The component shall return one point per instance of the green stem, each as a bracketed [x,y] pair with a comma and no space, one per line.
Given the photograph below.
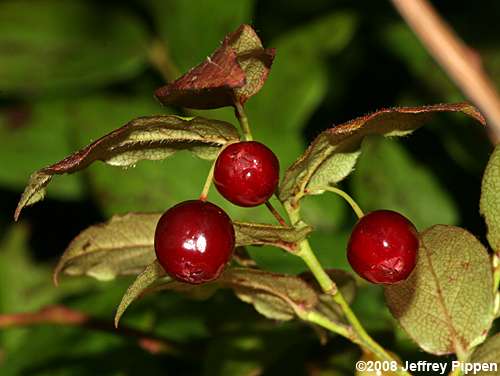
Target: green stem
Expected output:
[324,280]
[329,287]
[243,120]
[321,320]
[208,183]
[349,200]
[370,344]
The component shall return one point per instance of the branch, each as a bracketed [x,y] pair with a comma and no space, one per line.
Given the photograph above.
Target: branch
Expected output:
[60,315]
[461,63]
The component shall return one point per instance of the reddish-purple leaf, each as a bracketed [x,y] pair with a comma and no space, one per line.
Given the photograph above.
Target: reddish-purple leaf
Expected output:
[208,85]
[234,72]
[145,138]
[333,154]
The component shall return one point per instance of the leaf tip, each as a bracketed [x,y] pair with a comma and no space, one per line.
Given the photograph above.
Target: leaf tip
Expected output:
[117,319]
[17,212]
[55,274]
[474,113]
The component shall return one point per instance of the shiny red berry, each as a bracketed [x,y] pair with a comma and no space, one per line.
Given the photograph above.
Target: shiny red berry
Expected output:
[194,240]
[246,173]
[383,247]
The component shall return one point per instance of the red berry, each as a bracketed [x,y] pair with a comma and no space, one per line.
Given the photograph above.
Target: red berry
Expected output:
[194,240]
[383,247]
[246,173]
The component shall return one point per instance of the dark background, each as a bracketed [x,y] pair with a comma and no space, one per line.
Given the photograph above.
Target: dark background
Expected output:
[71,71]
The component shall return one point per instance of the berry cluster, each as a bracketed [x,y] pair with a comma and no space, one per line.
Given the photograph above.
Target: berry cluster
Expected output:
[194,240]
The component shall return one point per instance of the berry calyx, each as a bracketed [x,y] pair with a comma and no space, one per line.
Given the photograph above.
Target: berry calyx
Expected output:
[194,240]
[383,247]
[246,173]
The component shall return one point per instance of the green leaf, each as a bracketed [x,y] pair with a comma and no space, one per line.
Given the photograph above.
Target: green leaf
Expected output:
[125,245]
[263,234]
[121,246]
[67,45]
[487,353]
[151,186]
[333,154]
[273,295]
[145,138]
[149,275]
[276,296]
[266,304]
[253,59]
[490,199]
[235,71]
[446,305]
[399,183]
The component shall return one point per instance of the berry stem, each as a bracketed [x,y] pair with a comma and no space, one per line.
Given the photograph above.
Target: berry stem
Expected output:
[349,200]
[360,336]
[276,214]
[243,120]
[208,183]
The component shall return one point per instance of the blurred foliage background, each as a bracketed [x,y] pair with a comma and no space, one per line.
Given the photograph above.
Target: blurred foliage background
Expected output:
[73,70]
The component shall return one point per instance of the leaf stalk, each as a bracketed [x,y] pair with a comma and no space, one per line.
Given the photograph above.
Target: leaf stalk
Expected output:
[243,120]
[349,199]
